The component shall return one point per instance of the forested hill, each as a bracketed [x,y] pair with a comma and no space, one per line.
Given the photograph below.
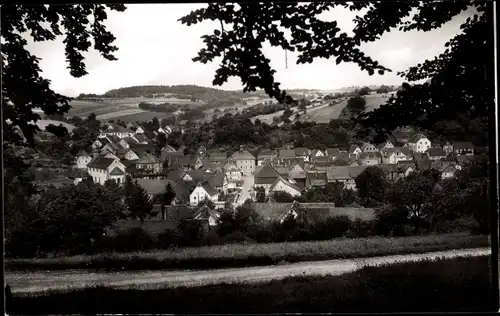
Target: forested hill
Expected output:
[181,91]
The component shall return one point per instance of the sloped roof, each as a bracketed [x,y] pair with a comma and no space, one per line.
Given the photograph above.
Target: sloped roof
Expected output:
[463,145]
[352,148]
[147,159]
[365,146]
[217,156]
[141,137]
[242,155]
[176,175]
[142,148]
[417,137]
[266,171]
[315,159]
[267,153]
[228,167]
[287,183]
[436,152]
[356,171]
[316,178]
[402,150]
[100,162]
[284,153]
[129,140]
[116,172]
[387,168]
[205,213]
[333,152]
[370,155]
[187,160]
[338,173]
[314,152]
[341,160]
[83,153]
[302,151]
[177,213]
[208,188]
[441,165]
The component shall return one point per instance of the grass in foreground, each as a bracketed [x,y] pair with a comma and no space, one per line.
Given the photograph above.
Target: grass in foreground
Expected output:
[240,255]
[460,284]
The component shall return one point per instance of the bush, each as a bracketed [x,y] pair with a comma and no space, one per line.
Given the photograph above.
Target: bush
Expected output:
[168,239]
[237,238]
[132,239]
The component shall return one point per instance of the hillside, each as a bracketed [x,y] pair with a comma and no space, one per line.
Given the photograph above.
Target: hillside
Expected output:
[179,91]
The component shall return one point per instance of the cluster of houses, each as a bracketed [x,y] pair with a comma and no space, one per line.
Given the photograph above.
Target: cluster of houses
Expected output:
[220,176]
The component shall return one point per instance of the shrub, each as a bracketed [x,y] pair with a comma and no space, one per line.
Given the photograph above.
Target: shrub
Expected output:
[130,240]
[237,238]
[168,239]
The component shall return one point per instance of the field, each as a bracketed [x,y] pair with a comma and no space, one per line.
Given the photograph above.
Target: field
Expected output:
[458,284]
[126,109]
[241,255]
[323,114]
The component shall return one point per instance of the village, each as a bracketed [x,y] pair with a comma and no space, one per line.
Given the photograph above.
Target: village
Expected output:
[236,177]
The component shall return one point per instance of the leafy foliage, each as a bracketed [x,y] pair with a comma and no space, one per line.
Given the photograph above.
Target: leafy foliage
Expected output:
[69,219]
[139,204]
[459,80]
[23,88]
[371,185]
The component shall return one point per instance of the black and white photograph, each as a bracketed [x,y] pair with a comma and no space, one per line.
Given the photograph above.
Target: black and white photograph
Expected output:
[250,158]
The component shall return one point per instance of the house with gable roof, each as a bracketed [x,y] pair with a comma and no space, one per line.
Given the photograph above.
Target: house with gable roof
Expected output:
[354,151]
[395,154]
[100,169]
[245,161]
[370,158]
[266,155]
[265,177]
[203,190]
[463,148]
[332,153]
[148,162]
[302,152]
[82,159]
[436,153]
[232,172]
[282,185]
[116,130]
[419,143]
[368,147]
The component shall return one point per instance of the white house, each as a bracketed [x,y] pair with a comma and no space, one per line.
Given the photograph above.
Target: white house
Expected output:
[396,154]
[139,130]
[98,143]
[116,130]
[368,147]
[232,172]
[100,168]
[204,190]
[317,153]
[167,130]
[245,161]
[420,144]
[385,145]
[281,185]
[82,159]
[354,151]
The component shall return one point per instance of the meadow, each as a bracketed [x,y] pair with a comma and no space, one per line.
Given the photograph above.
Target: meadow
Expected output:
[244,255]
[442,285]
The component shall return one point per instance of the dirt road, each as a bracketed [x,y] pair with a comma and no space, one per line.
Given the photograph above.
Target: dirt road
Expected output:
[36,282]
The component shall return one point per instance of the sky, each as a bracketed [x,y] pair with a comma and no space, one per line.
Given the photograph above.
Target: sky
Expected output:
[156,49]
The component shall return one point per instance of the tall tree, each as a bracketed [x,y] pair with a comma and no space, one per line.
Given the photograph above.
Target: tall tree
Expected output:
[460,80]
[371,185]
[23,88]
[139,204]
[167,198]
